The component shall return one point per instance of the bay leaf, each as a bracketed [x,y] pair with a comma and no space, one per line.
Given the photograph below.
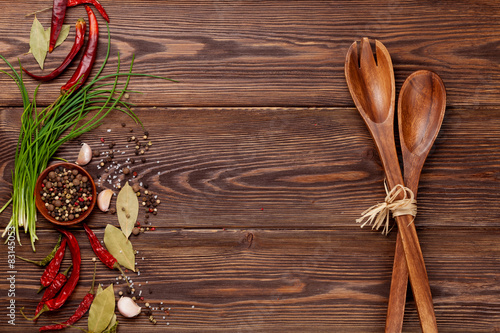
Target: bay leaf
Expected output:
[38,43]
[62,35]
[113,324]
[102,310]
[99,289]
[127,209]
[119,246]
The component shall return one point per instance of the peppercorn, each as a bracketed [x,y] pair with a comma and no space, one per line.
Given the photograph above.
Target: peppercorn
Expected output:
[126,171]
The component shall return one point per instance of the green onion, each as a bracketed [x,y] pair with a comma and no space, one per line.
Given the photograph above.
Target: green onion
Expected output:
[43,132]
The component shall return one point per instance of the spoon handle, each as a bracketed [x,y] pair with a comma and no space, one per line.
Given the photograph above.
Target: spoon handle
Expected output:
[397,295]
[384,140]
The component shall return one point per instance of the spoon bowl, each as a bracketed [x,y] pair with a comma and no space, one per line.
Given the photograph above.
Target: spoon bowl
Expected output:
[422,102]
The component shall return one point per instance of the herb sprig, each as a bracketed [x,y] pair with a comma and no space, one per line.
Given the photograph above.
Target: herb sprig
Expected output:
[43,132]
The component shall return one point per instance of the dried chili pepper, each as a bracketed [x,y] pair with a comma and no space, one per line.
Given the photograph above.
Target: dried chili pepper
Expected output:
[85,66]
[80,311]
[58,14]
[53,289]
[58,301]
[53,268]
[97,5]
[66,291]
[77,45]
[107,258]
[103,254]
[45,261]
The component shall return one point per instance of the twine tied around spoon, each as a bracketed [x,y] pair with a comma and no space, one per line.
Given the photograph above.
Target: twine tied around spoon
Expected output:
[378,215]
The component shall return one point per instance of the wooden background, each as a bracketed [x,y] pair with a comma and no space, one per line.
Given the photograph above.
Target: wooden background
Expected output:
[263,164]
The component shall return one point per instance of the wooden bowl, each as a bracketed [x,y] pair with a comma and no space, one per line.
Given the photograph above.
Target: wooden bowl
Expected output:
[40,204]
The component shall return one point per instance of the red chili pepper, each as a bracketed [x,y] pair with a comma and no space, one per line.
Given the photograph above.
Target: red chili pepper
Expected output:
[80,311]
[103,254]
[51,271]
[54,287]
[85,66]
[58,14]
[79,39]
[57,302]
[97,5]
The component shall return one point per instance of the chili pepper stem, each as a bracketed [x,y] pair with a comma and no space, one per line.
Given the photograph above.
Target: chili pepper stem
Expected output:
[117,265]
[38,11]
[45,308]
[93,279]
[45,261]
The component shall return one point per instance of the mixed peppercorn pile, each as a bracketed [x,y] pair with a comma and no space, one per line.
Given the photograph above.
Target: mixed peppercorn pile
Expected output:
[66,194]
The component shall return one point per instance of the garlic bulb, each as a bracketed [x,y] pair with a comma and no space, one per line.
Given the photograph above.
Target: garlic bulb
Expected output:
[104,199]
[85,155]
[127,307]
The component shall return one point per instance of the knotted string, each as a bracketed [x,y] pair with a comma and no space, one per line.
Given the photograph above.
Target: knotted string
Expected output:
[378,215]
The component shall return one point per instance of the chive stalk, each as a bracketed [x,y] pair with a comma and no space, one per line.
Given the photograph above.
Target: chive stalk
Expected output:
[43,132]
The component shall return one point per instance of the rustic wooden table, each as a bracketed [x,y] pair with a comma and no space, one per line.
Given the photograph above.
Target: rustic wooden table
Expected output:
[263,164]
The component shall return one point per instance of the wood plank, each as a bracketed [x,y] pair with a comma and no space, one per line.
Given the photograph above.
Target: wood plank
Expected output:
[285,167]
[269,280]
[275,53]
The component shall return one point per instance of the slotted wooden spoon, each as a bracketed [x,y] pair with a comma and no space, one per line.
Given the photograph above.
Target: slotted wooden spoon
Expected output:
[371,84]
[421,107]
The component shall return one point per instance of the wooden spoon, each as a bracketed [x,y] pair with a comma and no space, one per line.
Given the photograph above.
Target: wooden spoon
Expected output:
[421,107]
[371,84]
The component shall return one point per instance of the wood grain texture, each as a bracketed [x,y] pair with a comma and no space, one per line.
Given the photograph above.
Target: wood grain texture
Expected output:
[263,164]
[265,167]
[225,280]
[235,53]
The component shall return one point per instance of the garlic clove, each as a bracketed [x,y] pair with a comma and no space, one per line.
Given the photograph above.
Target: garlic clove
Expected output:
[85,155]
[127,307]
[104,199]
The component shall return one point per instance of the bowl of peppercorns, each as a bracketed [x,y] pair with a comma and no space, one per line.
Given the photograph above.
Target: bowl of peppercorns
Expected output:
[65,193]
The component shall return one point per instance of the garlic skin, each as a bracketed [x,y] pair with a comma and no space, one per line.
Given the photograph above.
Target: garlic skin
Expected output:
[104,199]
[85,155]
[127,307]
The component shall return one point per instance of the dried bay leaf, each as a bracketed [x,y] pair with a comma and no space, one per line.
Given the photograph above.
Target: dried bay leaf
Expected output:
[113,324]
[99,289]
[38,42]
[127,209]
[119,246]
[62,35]
[102,310]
